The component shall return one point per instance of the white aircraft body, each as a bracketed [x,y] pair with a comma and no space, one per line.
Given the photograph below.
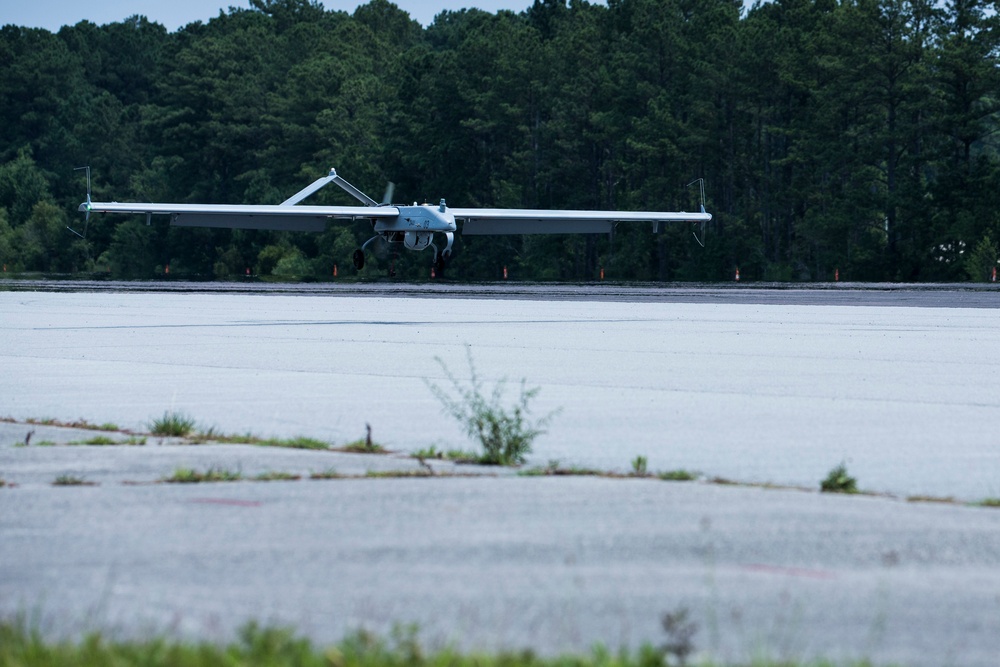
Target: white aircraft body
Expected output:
[413,226]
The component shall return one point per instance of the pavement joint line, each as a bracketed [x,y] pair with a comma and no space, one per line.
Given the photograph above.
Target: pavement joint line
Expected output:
[512,471]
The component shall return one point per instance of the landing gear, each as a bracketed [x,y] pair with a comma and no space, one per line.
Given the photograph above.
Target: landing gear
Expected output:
[359,259]
[440,263]
[442,257]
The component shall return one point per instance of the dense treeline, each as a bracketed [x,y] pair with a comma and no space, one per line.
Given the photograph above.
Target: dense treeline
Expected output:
[850,136]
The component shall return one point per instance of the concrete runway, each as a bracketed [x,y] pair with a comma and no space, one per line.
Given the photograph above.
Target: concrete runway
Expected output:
[552,563]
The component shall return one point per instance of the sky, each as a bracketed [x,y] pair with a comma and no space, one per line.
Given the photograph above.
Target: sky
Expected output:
[53,14]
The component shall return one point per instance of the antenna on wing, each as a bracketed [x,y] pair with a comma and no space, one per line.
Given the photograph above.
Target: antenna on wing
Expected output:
[86,219]
[701,188]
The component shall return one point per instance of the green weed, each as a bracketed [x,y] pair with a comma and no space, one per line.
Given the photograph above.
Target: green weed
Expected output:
[431,452]
[79,423]
[455,455]
[361,447]
[639,466]
[238,439]
[277,477]
[838,481]
[423,472]
[931,499]
[211,435]
[261,645]
[96,440]
[989,502]
[364,445]
[104,440]
[677,476]
[172,424]
[505,433]
[191,476]
[329,473]
[299,442]
[554,469]
[462,456]
[71,480]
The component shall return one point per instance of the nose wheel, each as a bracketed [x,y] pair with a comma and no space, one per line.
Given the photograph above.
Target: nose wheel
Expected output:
[359,259]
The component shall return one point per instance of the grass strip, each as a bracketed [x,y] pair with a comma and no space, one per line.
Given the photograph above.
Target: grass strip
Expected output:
[192,476]
[105,440]
[277,476]
[280,647]
[71,480]
[82,424]
[299,442]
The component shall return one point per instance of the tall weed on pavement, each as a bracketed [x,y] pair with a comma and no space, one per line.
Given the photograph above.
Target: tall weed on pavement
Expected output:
[505,432]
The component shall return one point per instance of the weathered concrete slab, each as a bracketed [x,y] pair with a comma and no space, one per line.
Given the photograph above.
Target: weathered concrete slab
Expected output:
[908,396]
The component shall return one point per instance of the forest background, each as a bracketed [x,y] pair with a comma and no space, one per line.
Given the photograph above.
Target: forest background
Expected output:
[854,139]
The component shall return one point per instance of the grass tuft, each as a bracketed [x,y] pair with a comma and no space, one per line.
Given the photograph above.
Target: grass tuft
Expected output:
[639,466]
[71,480]
[362,446]
[277,477]
[931,499]
[677,476]
[454,455]
[838,481]
[97,440]
[79,423]
[191,476]
[238,439]
[989,502]
[431,452]
[329,473]
[382,474]
[299,442]
[210,435]
[105,440]
[172,424]
[554,469]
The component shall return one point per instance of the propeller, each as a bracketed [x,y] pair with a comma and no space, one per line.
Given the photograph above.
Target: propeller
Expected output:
[86,218]
[390,188]
[701,187]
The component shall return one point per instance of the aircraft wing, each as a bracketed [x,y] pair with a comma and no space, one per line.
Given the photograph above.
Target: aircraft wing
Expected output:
[491,221]
[285,217]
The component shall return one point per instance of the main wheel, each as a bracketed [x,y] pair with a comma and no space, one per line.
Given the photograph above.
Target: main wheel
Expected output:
[359,259]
